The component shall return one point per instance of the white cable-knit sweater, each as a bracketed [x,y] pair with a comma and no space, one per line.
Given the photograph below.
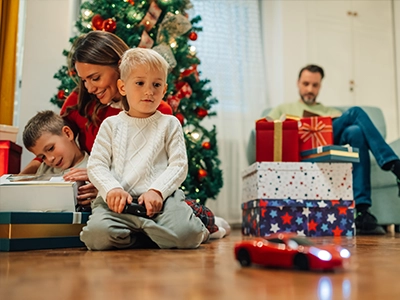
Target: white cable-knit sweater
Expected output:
[138,154]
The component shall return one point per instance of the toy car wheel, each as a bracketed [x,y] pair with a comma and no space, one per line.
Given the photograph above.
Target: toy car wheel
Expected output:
[301,262]
[244,258]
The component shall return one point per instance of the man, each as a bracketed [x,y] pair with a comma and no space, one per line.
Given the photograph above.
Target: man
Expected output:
[353,127]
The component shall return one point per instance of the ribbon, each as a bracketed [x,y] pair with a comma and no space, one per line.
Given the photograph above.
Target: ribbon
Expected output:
[277,140]
[19,231]
[183,91]
[314,131]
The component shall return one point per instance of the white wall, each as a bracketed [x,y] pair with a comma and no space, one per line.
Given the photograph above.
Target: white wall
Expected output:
[396,18]
[47,31]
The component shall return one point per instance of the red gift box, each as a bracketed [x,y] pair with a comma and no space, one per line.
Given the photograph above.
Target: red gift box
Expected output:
[10,157]
[315,132]
[277,140]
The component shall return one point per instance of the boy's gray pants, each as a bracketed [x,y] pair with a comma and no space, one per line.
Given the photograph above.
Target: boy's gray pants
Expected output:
[176,227]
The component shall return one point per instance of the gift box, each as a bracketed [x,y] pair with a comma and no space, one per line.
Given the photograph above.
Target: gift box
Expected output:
[263,217]
[41,230]
[37,193]
[302,180]
[8,133]
[277,140]
[315,132]
[331,154]
[10,157]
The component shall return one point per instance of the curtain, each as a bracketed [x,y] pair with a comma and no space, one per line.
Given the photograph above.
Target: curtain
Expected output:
[8,47]
[231,55]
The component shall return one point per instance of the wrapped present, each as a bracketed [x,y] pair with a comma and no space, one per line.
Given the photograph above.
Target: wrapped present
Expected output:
[277,140]
[315,132]
[302,180]
[263,217]
[37,193]
[331,153]
[10,157]
[41,230]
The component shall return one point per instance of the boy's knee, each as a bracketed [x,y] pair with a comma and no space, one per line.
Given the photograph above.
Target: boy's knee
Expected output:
[102,236]
[192,236]
[96,237]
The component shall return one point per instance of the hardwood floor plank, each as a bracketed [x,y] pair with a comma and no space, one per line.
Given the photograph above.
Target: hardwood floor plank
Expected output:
[210,272]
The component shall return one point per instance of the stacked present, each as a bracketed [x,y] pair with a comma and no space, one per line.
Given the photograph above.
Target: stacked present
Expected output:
[10,152]
[313,197]
[38,212]
[40,230]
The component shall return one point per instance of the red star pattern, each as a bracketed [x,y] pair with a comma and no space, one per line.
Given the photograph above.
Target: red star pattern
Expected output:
[335,202]
[337,231]
[263,212]
[342,210]
[312,225]
[286,218]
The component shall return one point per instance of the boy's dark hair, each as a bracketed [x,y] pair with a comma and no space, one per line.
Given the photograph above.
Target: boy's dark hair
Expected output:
[313,69]
[43,121]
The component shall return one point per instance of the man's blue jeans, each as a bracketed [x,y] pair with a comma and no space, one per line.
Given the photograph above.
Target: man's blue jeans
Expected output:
[355,128]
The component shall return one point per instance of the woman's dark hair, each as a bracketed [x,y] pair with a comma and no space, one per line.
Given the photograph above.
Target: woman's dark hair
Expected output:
[98,48]
[313,69]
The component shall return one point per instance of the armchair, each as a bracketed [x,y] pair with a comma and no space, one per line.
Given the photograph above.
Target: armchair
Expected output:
[384,190]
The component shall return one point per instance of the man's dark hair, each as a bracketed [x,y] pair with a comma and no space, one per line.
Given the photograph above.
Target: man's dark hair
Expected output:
[313,69]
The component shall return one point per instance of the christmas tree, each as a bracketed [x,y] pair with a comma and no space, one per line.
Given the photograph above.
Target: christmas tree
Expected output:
[164,26]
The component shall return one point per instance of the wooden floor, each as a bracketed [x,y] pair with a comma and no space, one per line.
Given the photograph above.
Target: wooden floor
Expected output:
[209,272]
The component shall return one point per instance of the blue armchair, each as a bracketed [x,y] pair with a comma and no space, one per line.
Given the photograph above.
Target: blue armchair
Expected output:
[385,202]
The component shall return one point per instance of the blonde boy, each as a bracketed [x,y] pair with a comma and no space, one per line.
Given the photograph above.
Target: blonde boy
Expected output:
[141,153]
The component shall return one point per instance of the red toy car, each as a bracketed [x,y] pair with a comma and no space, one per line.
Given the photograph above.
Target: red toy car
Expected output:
[288,250]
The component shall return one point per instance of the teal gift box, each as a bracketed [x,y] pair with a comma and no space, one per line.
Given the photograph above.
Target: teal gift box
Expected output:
[41,230]
[331,153]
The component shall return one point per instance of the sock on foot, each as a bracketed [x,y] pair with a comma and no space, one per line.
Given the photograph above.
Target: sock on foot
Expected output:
[220,222]
[219,234]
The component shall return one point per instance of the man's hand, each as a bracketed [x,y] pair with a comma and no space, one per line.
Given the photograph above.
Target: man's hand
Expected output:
[86,192]
[117,199]
[153,202]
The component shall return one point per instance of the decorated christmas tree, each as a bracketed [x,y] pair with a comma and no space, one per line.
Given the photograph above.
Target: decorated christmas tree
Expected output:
[164,26]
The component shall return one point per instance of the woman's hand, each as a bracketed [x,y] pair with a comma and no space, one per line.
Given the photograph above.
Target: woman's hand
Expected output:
[86,194]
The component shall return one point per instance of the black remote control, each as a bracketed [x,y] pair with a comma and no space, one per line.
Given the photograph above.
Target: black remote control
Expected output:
[136,209]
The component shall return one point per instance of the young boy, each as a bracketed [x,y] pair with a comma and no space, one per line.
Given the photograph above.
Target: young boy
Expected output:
[48,137]
[141,153]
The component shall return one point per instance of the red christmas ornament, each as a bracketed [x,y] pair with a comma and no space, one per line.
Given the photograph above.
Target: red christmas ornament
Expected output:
[97,22]
[201,112]
[61,94]
[71,73]
[109,25]
[202,174]
[181,118]
[206,145]
[193,36]
[131,2]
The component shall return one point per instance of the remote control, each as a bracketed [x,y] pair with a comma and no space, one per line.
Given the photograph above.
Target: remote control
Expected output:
[136,209]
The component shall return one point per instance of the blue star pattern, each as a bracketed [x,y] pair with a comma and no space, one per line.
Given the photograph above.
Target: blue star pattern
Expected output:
[263,217]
